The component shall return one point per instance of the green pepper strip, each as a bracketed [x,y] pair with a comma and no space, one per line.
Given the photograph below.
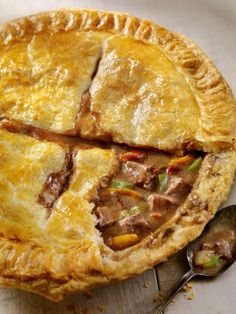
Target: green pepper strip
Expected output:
[213,262]
[121,184]
[140,207]
[163,180]
[134,210]
[196,164]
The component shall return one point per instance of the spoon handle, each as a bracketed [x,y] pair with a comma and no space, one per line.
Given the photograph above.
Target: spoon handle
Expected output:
[190,274]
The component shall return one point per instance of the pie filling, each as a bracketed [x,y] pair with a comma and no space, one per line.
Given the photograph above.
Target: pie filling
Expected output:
[142,194]
[56,184]
[144,191]
[216,248]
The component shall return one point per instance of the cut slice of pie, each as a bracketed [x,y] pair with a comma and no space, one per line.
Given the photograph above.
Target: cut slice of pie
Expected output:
[117,146]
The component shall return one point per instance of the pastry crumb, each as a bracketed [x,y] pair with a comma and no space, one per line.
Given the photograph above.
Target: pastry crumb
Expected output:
[188,287]
[101,308]
[146,284]
[189,296]
[188,292]
[159,297]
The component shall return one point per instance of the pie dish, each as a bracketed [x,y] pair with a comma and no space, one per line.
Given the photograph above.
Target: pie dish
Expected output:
[117,143]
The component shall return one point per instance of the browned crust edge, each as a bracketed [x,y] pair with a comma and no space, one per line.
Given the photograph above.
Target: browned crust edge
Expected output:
[37,269]
[212,93]
[19,264]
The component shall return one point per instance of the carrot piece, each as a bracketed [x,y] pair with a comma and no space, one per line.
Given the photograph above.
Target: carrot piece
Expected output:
[125,240]
[155,215]
[132,155]
[182,161]
[126,192]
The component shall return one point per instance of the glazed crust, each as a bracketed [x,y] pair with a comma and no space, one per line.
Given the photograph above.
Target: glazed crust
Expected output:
[207,97]
[64,252]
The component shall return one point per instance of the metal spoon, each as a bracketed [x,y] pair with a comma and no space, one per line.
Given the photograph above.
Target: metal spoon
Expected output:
[226,217]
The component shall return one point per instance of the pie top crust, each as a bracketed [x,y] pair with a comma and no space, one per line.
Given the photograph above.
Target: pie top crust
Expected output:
[100,76]
[74,51]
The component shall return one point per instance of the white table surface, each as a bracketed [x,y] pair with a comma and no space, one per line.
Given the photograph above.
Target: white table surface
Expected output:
[212,25]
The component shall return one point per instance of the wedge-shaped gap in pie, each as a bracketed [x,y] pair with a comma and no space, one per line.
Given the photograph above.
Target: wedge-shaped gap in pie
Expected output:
[143,193]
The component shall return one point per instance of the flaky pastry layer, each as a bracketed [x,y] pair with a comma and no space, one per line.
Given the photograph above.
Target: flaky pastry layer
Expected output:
[147,86]
[57,251]
[101,76]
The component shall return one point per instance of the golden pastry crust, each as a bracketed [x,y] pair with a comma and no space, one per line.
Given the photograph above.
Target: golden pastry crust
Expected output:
[40,247]
[200,90]
[65,252]
[60,252]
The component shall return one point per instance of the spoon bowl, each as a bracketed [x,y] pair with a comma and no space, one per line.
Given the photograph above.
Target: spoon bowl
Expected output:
[224,220]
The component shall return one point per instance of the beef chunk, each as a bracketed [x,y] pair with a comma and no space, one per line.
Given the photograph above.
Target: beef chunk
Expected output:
[135,223]
[220,242]
[110,200]
[137,173]
[107,215]
[221,248]
[178,189]
[127,201]
[108,209]
[160,202]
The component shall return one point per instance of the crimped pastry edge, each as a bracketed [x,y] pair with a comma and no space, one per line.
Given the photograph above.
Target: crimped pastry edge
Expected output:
[212,93]
[209,191]
[118,266]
